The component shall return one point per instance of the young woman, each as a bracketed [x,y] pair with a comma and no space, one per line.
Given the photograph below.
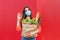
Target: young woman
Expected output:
[27,14]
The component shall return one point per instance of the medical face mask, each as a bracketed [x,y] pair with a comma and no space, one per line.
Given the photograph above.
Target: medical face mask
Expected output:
[28,13]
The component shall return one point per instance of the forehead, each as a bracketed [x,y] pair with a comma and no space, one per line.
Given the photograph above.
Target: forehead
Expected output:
[26,8]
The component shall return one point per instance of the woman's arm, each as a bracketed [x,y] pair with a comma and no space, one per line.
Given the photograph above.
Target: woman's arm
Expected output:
[18,26]
[37,31]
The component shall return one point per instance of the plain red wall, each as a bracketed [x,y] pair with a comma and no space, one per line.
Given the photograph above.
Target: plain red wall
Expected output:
[50,18]
[8,13]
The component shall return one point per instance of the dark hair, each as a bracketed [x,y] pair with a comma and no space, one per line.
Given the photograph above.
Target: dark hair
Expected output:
[24,16]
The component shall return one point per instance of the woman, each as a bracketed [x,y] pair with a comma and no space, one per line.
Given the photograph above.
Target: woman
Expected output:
[27,14]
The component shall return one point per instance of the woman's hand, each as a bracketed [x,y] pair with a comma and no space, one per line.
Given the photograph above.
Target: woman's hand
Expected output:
[18,28]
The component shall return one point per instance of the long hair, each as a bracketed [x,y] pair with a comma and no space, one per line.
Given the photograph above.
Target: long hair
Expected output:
[24,16]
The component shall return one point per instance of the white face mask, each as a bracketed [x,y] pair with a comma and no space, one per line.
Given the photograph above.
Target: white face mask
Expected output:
[28,13]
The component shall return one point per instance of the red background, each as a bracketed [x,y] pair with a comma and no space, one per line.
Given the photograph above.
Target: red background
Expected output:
[50,18]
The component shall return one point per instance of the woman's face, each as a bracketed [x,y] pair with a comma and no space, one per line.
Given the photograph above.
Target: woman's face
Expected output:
[27,12]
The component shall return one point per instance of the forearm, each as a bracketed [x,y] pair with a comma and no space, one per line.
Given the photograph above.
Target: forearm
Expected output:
[35,32]
[18,22]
